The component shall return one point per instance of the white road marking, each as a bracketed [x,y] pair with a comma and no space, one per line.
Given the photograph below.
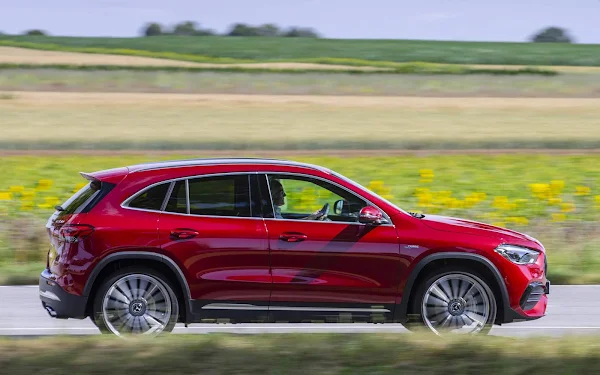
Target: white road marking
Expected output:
[19,286]
[49,329]
[534,327]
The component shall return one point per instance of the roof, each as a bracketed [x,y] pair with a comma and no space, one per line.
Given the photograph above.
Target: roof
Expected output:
[219,161]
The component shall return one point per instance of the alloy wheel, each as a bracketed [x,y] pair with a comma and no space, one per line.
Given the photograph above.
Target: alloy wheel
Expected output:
[136,304]
[456,303]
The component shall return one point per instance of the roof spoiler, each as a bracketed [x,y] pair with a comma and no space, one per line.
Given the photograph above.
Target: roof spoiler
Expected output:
[111,176]
[89,177]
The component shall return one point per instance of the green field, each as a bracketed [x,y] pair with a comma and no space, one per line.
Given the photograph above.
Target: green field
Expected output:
[290,354]
[554,198]
[298,49]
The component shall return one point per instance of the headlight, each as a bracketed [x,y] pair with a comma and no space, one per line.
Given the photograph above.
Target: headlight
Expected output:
[517,254]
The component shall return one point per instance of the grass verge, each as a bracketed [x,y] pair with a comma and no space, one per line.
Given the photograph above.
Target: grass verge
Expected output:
[339,52]
[308,83]
[20,273]
[300,354]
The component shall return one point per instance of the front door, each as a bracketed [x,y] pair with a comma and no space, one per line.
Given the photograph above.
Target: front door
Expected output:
[327,267]
[219,239]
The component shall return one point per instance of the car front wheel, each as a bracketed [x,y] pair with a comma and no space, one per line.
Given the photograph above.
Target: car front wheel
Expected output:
[136,300]
[454,300]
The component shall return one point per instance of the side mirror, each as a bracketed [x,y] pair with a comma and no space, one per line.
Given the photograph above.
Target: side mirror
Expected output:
[338,207]
[370,215]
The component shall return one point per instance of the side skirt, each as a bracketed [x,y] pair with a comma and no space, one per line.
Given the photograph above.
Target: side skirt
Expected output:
[205,311]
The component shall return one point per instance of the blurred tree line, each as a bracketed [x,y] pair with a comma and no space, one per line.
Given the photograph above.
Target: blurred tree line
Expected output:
[551,34]
[239,29]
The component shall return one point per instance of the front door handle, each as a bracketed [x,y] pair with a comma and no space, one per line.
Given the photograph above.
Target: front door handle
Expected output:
[293,237]
[183,234]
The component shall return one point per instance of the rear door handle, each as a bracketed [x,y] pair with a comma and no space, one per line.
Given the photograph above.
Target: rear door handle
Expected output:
[293,237]
[183,234]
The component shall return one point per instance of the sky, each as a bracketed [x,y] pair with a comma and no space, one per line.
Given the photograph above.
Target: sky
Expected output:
[471,20]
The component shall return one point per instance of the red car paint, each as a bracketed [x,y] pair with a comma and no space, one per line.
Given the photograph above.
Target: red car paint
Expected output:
[273,262]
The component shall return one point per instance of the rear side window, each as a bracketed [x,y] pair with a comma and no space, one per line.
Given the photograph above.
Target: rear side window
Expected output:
[220,196]
[151,199]
[177,201]
[212,196]
[86,198]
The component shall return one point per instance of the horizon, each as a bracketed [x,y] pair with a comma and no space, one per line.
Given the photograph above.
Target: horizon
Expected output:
[50,35]
[463,20]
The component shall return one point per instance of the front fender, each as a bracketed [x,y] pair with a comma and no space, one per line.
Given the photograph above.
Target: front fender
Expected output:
[400,312]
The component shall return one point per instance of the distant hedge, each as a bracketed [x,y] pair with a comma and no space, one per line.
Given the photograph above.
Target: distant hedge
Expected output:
[408,68]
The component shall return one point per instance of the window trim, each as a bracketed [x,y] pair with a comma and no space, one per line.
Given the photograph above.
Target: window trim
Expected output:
[165,202]
[260,174]
[187,196]
[173,181]
[268,193]
[255,196]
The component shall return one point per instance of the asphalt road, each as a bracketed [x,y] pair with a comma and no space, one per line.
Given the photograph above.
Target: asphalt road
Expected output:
[572,310]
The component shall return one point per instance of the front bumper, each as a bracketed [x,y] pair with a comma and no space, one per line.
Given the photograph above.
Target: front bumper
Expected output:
[58,303]
[532,304]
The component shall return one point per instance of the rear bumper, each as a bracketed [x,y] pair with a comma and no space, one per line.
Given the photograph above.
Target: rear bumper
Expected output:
[58,303]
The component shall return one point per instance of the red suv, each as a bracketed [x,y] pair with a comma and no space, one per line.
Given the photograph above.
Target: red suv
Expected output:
[144,247]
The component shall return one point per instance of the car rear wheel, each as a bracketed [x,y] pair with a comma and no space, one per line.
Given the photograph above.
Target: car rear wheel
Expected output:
[453,300]
[136,300]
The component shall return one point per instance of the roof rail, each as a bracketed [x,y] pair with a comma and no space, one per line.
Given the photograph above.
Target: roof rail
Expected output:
[218,161]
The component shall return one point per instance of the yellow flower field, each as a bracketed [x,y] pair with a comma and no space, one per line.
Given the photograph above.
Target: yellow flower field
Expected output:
[506,190]
[554,198]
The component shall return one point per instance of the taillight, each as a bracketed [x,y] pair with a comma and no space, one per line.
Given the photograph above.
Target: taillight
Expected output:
[75,232]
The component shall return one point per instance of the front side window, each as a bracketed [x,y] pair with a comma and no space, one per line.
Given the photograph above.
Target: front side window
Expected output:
[305,198]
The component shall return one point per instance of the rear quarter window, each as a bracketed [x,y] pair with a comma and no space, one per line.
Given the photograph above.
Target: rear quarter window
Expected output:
[151,199]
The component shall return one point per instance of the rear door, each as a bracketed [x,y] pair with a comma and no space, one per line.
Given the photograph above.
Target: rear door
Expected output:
[211,227]
[328,270]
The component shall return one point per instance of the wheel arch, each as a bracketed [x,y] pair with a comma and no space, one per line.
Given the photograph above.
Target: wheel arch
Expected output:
[479,262]
[157,261]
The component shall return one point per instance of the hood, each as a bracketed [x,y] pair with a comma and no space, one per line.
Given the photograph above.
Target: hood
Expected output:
[456,225]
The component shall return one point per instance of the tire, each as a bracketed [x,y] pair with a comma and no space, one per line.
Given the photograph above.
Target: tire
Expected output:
[140,299]
[452,297]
